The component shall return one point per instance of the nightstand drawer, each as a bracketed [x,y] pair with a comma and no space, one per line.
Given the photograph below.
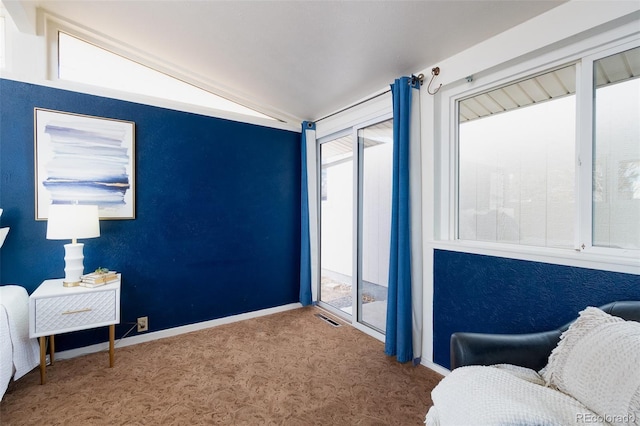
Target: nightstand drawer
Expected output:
[75,311]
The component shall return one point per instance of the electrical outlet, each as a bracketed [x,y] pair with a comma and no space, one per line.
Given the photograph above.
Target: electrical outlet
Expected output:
[143,324]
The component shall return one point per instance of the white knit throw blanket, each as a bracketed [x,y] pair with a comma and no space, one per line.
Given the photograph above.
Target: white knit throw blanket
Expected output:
[598,362]
[502,395]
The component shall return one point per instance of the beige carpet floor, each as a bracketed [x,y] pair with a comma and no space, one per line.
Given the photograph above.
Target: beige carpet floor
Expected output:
[289,368]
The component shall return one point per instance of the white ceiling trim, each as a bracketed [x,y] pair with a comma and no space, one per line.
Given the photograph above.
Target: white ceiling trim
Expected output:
[23,15]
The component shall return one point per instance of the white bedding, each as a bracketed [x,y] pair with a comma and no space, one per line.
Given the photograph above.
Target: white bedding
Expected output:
[6,352]
[18,353]
[502,395]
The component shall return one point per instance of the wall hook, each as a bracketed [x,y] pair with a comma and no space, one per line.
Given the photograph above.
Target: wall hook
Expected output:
[434,72]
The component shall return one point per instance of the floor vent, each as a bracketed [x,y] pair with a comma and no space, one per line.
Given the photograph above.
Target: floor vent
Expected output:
[328,320]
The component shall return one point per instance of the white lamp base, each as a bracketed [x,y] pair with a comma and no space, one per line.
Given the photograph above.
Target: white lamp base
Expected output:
[73,264]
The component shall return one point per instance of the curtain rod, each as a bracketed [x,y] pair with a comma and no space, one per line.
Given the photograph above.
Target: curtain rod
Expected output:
[354,105]
[414,80]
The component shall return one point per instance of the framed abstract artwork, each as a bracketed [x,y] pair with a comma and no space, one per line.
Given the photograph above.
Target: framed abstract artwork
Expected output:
[85,160]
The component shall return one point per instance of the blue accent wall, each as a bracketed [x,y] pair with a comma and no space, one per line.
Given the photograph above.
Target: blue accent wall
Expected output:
[489,294]
[217,228]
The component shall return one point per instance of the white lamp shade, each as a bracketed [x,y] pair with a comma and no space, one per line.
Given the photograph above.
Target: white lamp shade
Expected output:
[3,232]
[72,221]
[3,235]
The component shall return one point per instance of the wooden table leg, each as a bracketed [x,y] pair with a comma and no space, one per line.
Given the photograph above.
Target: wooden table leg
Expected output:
[52,349]
[43,359]
[112,335]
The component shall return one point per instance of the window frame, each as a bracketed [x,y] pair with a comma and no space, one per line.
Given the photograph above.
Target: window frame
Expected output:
[583,54]
[53,25]
[586,149]
[372,113]
[456,158]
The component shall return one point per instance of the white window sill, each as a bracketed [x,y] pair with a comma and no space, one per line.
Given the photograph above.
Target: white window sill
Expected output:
[629,264]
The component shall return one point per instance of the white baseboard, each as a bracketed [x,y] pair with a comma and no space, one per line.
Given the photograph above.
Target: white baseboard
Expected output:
[435,367]
[147,337]
[155,335]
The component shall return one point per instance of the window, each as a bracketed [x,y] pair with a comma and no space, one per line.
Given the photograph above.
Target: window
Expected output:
[87,63]
[616,166]
[538,157]
[516,161]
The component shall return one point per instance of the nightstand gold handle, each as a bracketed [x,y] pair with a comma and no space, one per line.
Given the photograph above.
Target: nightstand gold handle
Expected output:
[76,312]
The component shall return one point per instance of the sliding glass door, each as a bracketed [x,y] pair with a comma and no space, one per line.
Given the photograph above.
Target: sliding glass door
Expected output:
[375,144]
[336,223]
[355,222]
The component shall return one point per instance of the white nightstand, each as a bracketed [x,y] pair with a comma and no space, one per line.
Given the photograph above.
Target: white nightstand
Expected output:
[55,309]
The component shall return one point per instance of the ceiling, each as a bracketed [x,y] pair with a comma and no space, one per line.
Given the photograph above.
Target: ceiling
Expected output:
[296,59]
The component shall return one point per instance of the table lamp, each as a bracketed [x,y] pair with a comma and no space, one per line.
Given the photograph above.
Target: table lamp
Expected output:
[70,222]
